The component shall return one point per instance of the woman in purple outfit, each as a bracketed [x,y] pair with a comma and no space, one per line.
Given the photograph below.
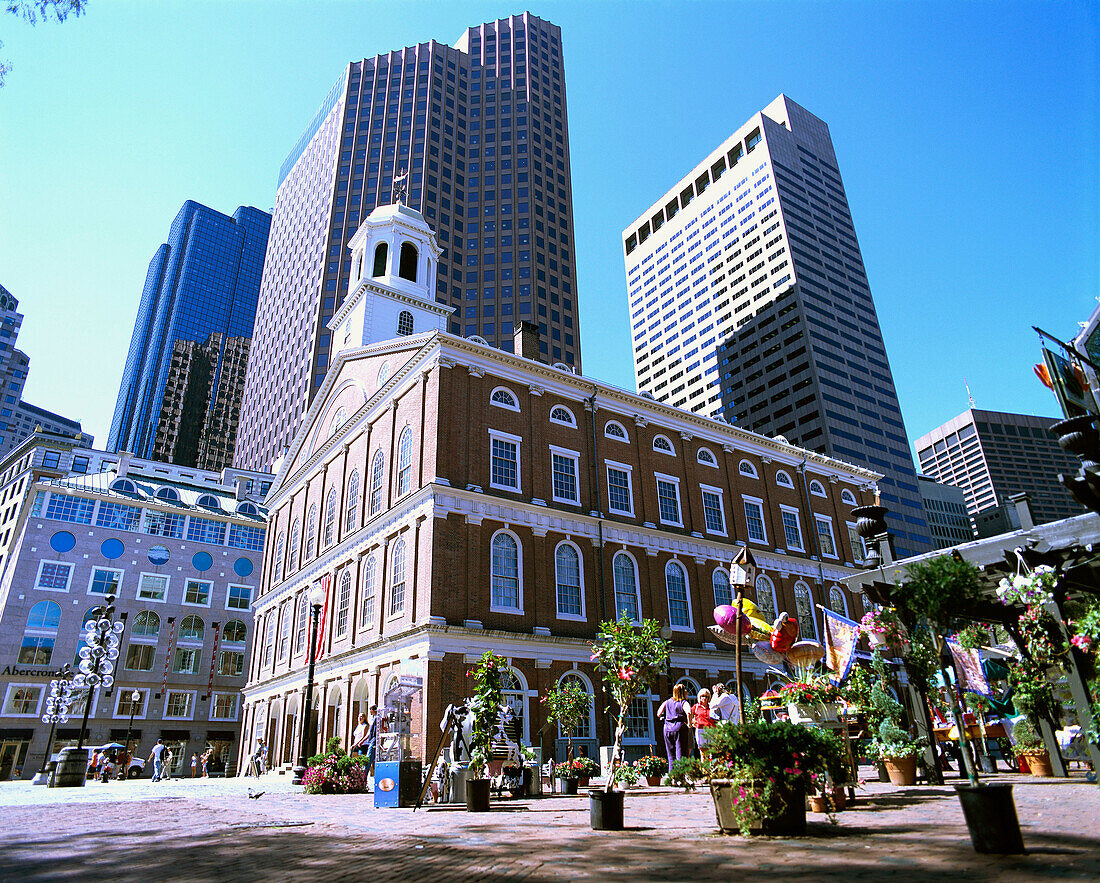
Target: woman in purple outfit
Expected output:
[674,713]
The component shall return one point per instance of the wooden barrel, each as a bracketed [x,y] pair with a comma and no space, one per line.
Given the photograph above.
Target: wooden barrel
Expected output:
[71,770]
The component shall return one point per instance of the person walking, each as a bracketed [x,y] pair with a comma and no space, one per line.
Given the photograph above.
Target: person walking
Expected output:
[701,720]
[724,706]
[156,757]
[207,757]
[674,713]
[168,757]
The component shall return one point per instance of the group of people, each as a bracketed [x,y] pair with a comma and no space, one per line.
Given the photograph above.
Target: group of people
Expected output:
[202,760]
[364,739]
[161,759]
[686,722]
[108,764]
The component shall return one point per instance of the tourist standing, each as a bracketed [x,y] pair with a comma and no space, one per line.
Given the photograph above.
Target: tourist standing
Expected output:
[207,757]
[359,736]
[674,712]
[701,720]
[156,757]
[724,705]
[194,764]
[167,763]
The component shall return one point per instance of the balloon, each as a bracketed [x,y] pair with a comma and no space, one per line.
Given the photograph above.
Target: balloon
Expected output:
[753,625]
[784,633]
[805,653]
[763,651]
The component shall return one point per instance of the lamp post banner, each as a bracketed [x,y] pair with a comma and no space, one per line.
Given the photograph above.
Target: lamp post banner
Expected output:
[213,661]
[319,646]
[840,635]
[168,656]
[968,665]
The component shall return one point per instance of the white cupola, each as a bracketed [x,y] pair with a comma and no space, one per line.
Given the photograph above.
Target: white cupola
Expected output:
[394,261]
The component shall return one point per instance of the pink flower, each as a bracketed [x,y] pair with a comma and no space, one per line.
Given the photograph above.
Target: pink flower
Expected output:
[626,673]
[1081,642]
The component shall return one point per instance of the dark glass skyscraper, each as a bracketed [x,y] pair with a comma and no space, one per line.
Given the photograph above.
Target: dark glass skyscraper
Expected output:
[181,388]
[481,129]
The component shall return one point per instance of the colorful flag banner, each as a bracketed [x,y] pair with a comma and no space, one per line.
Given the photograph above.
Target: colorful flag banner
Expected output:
[968,667]
[168,655]
[213,661]
[319,648]
[840,635]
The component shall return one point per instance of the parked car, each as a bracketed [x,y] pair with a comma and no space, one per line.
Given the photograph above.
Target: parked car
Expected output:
[134,767]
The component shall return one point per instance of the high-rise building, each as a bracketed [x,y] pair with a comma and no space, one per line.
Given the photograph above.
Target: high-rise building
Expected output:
[749,299]
[181,388]
[992,455]
[945,508]
[481,130]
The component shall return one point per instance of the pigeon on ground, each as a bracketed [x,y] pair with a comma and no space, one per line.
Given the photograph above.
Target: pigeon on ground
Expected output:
[255,795]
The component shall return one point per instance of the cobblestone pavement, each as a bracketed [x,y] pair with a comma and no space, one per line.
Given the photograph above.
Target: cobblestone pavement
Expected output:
[210,830]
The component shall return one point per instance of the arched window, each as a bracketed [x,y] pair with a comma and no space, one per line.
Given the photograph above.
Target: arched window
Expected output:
[804,607]
[404,462]
[614,429]
[404,323]
[295,542]
[561,414]
[679,610]
[503,398]
[168,494]
[397,580]
[44,615]
[351,507]
[234,632]
[376,475]
[662,444]
[817,488]
[338,420]
[706,457]
[301,619]
[746,468]
[124,486]
[40,634]
[765,599]
[588,722]
[380,252]
[209,501]
[192,629]
[343,604]
[723,591]
[286,610]
[625,576]
[248,509]
[567,568]
[783,479]
[514,690]
[311,532]
[146,625]
[837,601]
[330,519]
[277,559]
[383,374]
[407,269]
[846,496]
[505,592]
[370,588]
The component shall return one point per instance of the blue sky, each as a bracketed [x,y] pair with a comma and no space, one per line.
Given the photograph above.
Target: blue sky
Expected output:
[967,137]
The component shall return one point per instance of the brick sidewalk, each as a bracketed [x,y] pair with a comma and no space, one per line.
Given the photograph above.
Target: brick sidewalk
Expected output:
[208,831]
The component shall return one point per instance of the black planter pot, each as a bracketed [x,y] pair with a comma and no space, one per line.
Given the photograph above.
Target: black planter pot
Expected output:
[991,818]
[477,795]
[605,809]
[567,786]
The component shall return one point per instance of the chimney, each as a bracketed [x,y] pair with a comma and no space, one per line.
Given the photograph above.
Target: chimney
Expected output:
[527,340]
[239,486]
[123,464]
[1022,503]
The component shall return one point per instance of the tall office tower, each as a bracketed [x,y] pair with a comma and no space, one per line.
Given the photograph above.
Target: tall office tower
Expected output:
[945,508]
[481,130]
[748,299]
[181,389]
[992,455]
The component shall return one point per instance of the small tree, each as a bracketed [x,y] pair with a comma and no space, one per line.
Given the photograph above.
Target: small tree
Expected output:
[489,696]
[630,659]
[567,705]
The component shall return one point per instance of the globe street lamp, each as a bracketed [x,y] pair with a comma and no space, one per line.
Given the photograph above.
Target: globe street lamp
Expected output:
[57,711]
[316,597]
[135,698]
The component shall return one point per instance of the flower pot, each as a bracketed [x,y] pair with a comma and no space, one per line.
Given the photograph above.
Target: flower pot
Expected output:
[876,639]
[787,818]
[840,798]
[653,781]
[567,786]
[819,803]
[883,776]
[1021,762]
[819,712]
[987,763]
[582,781]
[605,809]
[991,818]
[477,795]
[1040,764]
[902,770]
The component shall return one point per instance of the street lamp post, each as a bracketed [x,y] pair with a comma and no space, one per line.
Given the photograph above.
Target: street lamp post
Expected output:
[57,711]
[316,597]
[135,698]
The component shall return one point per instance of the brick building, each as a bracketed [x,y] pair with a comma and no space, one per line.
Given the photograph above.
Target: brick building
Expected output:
[459,498]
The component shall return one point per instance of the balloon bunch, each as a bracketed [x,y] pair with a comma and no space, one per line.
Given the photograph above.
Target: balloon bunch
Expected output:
[771,644]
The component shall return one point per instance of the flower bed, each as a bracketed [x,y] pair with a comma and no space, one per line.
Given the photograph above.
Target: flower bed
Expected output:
[337,774]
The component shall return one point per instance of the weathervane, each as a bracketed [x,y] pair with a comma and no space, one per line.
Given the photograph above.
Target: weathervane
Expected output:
[399,186]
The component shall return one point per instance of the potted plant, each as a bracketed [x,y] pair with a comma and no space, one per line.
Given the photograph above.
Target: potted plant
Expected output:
[1029,746]
[651,768]
[630,658]
[568,774]
[760,774]
[813,700]
[896,749]
[586,768]
[883,629]
[487,700]
[567,705]
[627,776]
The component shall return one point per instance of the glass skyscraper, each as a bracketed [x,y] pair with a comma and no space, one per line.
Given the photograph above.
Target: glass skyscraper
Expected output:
[181,387]
[481,129]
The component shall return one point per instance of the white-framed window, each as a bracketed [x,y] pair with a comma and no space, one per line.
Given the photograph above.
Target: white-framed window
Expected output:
[223,706]
[370,590]
[179,705]
[231,663]
[397,579]
[383,374]
[22,700]
[615,430]
[676,587]
[723,591]
[588,724]
[277,558]
[238,597]
[563,416]
[343,604]
[301,618]
[506,593]
[663,445]
[504,460]
[859,551]
[825,540]
[282,652]
[377,474]
[125,704]
[139,656]
[105,581]
[706,457]
[620,493]
[404,324]
[330,519]
[754,519]
[837,602]
[40,634]
[209,501]
[817,489]
[639,721]
[186,660]
[351,504]
[269,636]
[569,581]
[563,467]
[668,499]
[338,420]
[146,625]
[747,469]
[792,528]
[53,576]
[624,571]
[404,462]
[714,514]
[152,587]
[197,592]
[504,398]
[804,608]
[783,479]
[847,497]
[234,632]
[311,532]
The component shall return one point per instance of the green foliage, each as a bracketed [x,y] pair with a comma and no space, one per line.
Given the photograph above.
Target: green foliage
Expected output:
[781,751]
[487,691]
[891,739]
[753,712]
[940,590]
[567,705]
[336,774]
[1028,741]
[651,765]
[922,662]
[332,746]
[977,703]
[685,772]
[1032,694]
[627,775]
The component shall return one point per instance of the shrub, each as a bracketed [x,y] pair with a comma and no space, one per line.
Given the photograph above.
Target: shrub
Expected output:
[651,765]
[337,774]
[685,772]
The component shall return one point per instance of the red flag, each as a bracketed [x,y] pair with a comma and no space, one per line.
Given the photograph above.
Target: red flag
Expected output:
[1044,375]
[319,648]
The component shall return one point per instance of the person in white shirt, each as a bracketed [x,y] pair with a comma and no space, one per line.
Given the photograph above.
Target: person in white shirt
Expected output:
[724,706]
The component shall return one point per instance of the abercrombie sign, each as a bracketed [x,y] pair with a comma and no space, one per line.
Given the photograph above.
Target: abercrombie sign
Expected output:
[15,671]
